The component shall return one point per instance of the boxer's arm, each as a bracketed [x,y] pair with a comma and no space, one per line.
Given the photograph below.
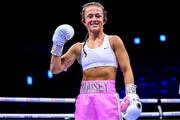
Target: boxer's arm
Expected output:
[62,34]
[123,59]
[62,63]
[130,105]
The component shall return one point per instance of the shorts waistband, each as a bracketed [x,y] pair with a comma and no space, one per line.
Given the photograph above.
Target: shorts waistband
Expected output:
[98,86]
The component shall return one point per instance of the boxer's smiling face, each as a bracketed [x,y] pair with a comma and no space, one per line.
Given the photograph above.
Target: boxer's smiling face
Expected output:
[94,18]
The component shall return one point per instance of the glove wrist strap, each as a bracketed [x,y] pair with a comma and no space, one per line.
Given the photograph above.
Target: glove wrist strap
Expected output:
[131,88]
[57,50]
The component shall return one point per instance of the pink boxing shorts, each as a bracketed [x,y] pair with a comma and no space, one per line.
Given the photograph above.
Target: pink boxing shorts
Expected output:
[98,100]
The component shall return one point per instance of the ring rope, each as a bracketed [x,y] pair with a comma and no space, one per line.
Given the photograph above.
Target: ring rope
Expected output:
[69,115]
[72,100]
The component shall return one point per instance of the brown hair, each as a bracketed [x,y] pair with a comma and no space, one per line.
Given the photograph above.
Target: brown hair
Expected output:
[93,4]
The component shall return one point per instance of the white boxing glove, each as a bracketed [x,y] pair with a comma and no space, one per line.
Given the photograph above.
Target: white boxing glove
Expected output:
[62,34]
[134,109]
[131,106]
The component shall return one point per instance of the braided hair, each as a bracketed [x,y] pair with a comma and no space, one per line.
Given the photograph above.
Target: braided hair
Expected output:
[85,40]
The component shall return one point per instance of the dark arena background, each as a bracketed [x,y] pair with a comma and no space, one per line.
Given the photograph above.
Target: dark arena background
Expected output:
[148,28]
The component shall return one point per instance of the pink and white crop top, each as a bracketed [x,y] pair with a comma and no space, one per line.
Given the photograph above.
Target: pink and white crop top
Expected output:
[101,56]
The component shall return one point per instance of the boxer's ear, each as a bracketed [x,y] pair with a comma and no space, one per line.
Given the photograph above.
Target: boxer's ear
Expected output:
[83,20]
[105,20]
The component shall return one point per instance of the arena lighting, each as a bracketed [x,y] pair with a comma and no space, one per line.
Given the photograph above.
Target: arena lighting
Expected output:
[137,40]
[162,38]
[164,83]
[141,78]
[29,80]
[49,74]
[179,89]
[173,78]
